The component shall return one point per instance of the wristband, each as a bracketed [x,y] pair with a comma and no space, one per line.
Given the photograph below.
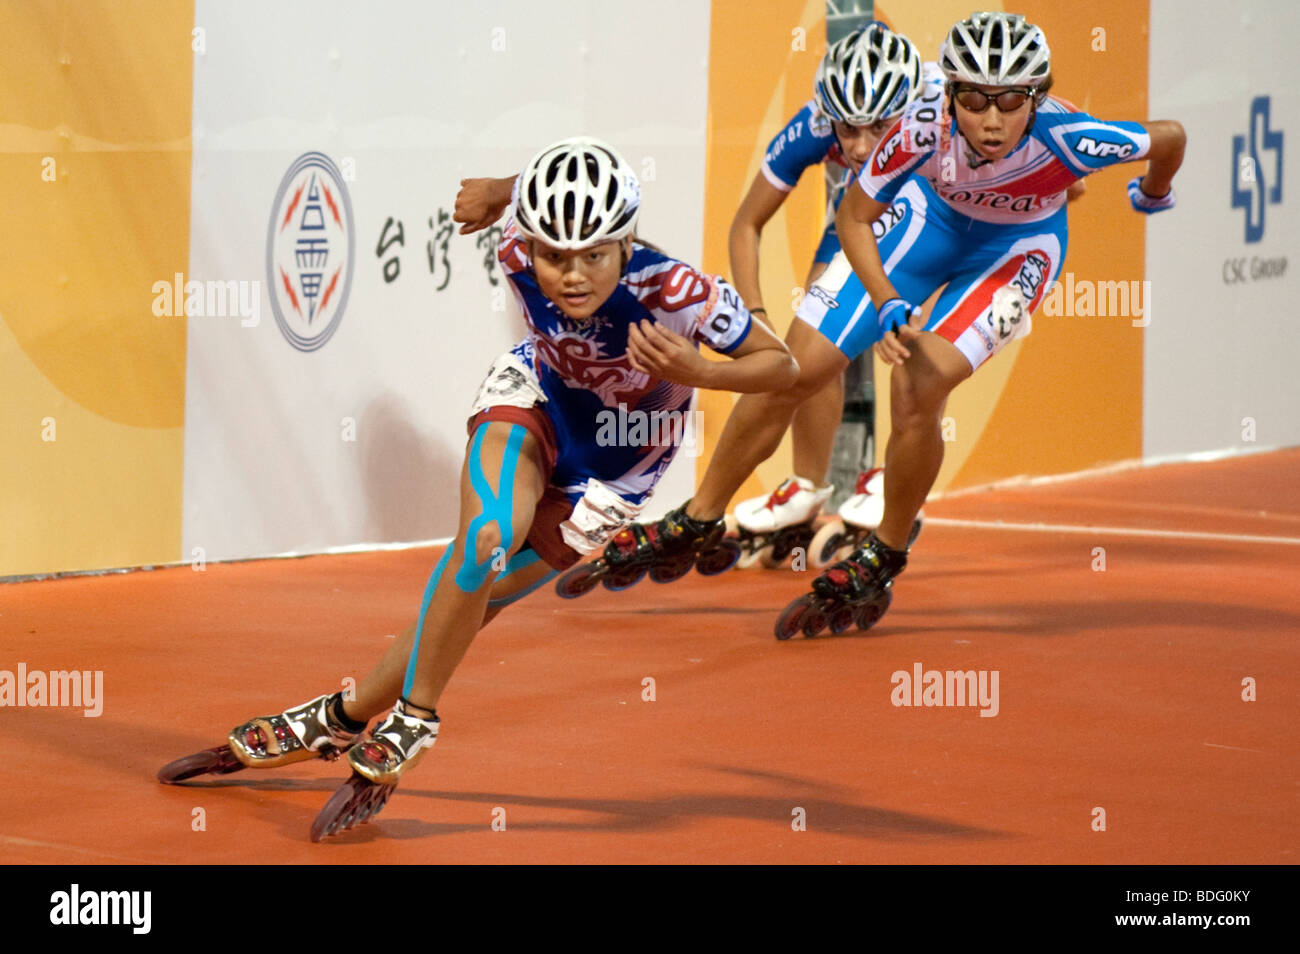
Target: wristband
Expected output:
[1148,204]
[895,312]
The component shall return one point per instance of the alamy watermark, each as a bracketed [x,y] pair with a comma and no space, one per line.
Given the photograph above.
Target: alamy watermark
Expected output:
[75,906]
[208,299]
[948,687]
[637,428]
[77,688]
[1084,298]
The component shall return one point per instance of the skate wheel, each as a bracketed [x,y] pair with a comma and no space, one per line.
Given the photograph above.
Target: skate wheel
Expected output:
[748,558]
[719,560]
[668,572]
[579,581]
[356,802]
[814,621]
[791,619]
[622,579]
[842,620]
[215,761]
[827,544]
[869,613]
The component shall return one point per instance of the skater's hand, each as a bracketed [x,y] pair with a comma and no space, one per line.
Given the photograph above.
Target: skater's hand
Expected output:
[901,323]
[480,202]
[662,353]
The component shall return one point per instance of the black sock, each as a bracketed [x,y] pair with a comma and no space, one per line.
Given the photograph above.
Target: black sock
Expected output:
[340,717]
[419,712]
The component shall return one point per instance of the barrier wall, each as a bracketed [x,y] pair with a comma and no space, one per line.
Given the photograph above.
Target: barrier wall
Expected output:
[1222,348]
[94,184]
[235,320]
[293,444]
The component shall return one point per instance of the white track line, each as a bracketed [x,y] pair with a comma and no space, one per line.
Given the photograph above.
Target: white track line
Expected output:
[1120,531]
[1235,748]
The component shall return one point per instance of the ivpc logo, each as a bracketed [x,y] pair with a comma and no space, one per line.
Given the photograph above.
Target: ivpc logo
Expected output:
[1248,168]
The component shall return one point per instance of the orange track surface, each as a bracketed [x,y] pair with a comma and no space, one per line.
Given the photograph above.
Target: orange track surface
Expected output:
[1119,689]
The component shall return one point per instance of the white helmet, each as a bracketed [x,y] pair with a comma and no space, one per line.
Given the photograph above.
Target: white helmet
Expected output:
[575,193]
[996,49]
[869,75]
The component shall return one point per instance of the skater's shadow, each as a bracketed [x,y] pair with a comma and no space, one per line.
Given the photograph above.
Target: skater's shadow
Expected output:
[819,806]
[824,807]
[401,469]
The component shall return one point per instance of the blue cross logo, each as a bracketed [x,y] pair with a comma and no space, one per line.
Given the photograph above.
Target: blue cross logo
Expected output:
[1249,171]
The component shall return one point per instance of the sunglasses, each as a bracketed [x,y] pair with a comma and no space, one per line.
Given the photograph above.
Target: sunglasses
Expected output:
[978,101]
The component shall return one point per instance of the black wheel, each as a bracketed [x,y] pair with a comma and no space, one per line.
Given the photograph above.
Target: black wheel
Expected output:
[668,572]
[623,578]
[814,621]
[582,579]
[869,613]
[215,761]
[720,559]
[791,619]
[842,619]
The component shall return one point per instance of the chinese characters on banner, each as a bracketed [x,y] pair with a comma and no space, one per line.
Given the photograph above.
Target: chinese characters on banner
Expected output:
[392,241]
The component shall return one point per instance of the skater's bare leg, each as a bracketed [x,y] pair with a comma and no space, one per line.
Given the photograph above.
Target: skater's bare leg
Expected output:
[754,429]
[464,580]
[812,433]
[919,390]
[378,690]
[501,483]
[817,419]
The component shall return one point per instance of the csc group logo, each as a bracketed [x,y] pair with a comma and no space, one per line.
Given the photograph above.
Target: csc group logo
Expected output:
[309,251]
[1257,168]
[1256,184]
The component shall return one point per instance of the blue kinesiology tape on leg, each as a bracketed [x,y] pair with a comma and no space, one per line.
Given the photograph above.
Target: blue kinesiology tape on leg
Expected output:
[424,609]
[498,508]
[521,560]
[470,576]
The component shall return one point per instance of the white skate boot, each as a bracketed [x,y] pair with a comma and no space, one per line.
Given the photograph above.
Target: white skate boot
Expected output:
[768,528]
[858,516]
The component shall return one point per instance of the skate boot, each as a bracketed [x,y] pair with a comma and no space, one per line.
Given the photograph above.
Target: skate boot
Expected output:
[858,516]
[394,746]
[856,590]
[313,730]
[769,528]
[666,550]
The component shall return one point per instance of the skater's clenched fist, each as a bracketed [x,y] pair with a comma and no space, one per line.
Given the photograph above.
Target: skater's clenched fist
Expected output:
[480,202]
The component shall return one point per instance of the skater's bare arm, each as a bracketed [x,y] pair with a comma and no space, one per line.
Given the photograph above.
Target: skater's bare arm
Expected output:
[760,204]
[761,362]
[1168,140]
[853,223]
[480,202]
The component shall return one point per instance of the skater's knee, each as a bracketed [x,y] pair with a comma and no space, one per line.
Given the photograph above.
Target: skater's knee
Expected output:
[810,382]
[486,543]
[495,519]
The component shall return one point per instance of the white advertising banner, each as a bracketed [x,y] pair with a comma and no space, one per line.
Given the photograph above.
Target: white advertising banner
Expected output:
[1222,349]
[339,325]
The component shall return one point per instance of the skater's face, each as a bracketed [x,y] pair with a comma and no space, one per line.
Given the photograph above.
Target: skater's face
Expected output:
[857,142]
[993,123]
[579,281]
